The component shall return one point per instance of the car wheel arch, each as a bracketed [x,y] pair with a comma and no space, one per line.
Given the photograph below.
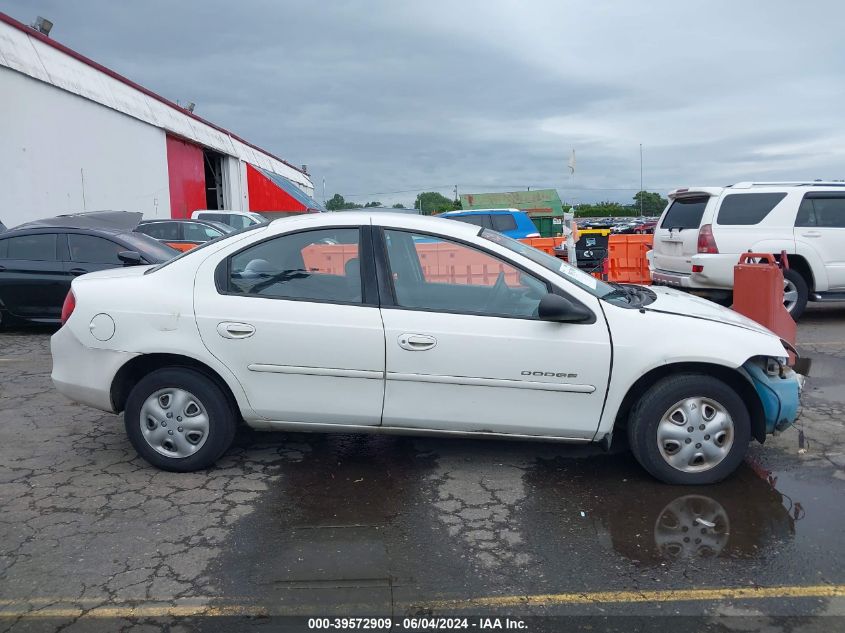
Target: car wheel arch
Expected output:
[730,376]
[138,367]
[799,264]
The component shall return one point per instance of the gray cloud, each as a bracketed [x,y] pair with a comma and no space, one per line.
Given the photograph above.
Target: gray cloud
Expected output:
[380,97]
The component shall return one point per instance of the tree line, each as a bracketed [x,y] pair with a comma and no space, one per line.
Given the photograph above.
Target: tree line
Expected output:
[432,202]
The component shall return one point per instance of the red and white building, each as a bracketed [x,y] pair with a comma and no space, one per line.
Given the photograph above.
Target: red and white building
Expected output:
[76,136]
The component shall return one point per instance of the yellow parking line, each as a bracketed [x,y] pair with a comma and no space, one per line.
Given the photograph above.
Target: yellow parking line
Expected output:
[666,595]
[64,608]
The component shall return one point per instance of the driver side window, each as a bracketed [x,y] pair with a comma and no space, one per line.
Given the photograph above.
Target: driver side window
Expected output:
[431,273]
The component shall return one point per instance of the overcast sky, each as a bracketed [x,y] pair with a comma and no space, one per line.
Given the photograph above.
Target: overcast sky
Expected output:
[383,99]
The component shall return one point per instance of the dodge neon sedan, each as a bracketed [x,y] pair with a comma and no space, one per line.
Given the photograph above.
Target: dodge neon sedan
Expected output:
[394,323]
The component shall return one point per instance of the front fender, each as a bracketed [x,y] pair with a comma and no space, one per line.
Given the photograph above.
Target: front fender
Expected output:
[779,395]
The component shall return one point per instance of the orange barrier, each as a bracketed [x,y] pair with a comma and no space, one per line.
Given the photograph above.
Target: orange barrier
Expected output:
[441,263]
[545,244]
[626,256]
[329,259]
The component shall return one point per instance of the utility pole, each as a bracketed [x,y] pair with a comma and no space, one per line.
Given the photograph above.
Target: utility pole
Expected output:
[456,193]
[641,179]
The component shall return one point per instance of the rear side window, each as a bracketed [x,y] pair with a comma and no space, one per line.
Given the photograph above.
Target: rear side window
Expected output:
[503,222]
[40,247]
[194,232]
[161,230]
[747,208]
[215,217]
[684,213]
[239,221]
[93,250]
[318,265]
[822,210]
[476,220]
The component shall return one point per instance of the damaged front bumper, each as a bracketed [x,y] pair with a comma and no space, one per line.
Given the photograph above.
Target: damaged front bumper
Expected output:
[779,394]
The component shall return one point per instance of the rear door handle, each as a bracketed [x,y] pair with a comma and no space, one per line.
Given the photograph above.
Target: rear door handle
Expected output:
[227,329]
[812,234]
[77,271]
[416,342]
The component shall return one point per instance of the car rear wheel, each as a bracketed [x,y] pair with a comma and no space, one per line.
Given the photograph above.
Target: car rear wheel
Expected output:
[795,293]
[689,429]
[178,419]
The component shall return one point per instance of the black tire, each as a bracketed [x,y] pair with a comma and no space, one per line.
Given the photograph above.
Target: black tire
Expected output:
[656,402]
[222,420]
[800,284]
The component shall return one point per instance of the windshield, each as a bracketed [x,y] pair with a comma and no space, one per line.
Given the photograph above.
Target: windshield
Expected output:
[594,286]
[684,213]
[213,242]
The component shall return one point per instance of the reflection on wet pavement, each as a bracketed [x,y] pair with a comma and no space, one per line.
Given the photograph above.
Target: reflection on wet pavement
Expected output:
[376,521]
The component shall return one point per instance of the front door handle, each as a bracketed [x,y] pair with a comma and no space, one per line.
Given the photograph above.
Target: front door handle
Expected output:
[416,342]
[812,234]
[227,329]
[77,271]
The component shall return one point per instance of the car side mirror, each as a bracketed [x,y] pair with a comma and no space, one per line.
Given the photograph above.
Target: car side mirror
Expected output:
[562,310]
[130,258]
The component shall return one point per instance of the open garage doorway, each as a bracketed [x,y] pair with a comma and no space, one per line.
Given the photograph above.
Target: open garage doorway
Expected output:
[214,195]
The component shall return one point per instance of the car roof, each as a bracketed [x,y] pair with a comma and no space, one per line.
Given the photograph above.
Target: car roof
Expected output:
[94,230]
[120,221]
[194,220]
[484,211]
[423,223]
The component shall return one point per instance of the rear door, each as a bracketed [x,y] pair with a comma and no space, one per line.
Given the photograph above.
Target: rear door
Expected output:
[676,234]
[293,319]
[33,282]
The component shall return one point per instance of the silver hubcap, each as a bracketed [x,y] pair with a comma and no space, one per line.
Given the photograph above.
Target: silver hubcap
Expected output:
[692,526]
[174,422]
[695,434]
[790,295]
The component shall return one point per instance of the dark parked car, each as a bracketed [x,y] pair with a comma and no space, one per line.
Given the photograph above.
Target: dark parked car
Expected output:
[183,235]
[38,260]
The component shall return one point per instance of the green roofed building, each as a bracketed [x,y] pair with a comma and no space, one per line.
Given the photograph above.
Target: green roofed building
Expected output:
[543,205]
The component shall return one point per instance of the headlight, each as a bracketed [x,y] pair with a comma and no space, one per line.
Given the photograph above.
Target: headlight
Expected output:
[776,366]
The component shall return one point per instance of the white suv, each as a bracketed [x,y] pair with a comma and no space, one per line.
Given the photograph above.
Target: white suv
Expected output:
[701,233]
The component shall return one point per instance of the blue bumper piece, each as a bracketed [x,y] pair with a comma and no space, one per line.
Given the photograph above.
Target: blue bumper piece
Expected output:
[780,396]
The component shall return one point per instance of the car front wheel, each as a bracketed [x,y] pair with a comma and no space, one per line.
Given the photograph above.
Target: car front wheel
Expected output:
[178,419]
[689,429]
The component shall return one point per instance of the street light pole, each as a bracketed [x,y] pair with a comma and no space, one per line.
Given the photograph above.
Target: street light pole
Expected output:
[641,179]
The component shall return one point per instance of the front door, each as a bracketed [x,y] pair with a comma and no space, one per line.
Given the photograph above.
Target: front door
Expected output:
[820,226]
[466,352]
[291,318]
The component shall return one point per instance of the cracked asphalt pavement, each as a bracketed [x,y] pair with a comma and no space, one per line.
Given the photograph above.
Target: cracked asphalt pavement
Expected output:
[92,538]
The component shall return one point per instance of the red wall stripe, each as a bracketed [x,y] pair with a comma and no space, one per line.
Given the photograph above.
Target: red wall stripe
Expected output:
[265,195]
[186,172]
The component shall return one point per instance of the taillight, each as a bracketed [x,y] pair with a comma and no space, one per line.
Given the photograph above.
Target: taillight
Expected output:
[68,306]
[706,241]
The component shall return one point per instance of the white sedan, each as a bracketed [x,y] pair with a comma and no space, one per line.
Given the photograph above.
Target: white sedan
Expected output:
[392,323]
